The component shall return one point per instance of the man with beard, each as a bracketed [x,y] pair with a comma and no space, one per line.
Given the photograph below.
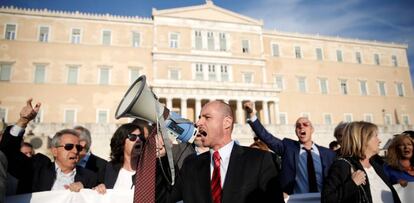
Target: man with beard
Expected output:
[227,172]
[38,173]
[304,163]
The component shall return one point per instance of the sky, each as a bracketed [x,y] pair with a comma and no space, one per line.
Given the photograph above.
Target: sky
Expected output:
[380,20]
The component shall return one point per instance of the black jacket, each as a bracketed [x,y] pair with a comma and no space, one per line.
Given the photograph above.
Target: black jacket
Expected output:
[97,165]
[339,186]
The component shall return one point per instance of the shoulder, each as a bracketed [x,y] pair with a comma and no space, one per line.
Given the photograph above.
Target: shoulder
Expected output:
[98,159]
[326,151]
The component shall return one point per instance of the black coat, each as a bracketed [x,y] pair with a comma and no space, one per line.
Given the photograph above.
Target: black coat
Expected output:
[339,186]
[38,173]
[97,165]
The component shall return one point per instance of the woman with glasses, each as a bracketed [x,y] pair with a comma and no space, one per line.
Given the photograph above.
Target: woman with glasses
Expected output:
[400,159]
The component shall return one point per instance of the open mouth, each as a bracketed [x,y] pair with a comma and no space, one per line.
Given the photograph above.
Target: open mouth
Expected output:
[201,132]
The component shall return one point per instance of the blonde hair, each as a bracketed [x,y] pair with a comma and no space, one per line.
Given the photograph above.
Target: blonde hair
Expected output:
[355,138]
[393,154]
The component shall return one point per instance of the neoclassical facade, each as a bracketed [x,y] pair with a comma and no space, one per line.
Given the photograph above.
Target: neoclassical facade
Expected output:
[79,65]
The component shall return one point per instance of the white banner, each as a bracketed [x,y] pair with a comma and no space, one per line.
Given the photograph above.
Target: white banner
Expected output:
[65,196]
[304,198]
[406,194]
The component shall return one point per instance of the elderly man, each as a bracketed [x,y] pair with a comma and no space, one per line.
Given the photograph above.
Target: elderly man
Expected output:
[89,160]
[39,173]
[227,172]
[304,164]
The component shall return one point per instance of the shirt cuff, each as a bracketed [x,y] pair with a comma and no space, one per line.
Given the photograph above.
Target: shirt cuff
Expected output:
[16,130]
[252,119]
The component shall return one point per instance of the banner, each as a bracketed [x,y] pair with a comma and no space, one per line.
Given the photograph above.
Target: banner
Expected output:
[65,196]
[304,198]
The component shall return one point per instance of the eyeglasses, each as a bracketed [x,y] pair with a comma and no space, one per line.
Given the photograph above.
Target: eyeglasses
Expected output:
[133,137]
[69,147]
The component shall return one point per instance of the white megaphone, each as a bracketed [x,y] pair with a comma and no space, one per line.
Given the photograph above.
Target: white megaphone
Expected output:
[140,102]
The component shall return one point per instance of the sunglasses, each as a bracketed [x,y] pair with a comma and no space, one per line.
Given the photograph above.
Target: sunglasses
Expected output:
[133,137]
[69,147]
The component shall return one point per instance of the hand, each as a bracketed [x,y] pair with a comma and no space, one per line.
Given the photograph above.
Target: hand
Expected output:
[74,187]
[403,182]
[359,177]
[101,189]
[248,107]
[28,113]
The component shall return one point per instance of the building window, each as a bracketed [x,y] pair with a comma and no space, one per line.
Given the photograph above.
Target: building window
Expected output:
[10,33]
[134,73]
[358,57]
[223,42]
[275,50]
[40,73]
[210,41]
[381,88]
[339,56]
[106,37]
[136,39]
[388,119]
[283,118]
[327,119]
[248,78]
[394,60]
[298,52]
[400,89]
[245,46]
[43,34]
[224,73]
[73,74]
[104,76]
[323,85]
[368,117]
[174,74]
[102,116]
[75,36]
[363,87]
[199,75]
[302,84]
[319,55]
[198,40]
[376,59]
[212,72]
[279,82]
[344,87]
[348,117]
[174,39]
[406,120]
[70,116]
[3,115]
[39,117]
[5,71]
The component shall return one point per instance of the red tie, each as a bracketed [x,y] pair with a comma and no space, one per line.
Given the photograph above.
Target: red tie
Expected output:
[145,176]
[216,179]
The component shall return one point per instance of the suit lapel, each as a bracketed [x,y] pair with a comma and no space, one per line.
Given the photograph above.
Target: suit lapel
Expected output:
[50,176]
[205,180]
[233,171]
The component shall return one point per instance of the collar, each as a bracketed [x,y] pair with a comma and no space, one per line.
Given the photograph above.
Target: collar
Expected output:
[224,151]
[59,171]
[313,147]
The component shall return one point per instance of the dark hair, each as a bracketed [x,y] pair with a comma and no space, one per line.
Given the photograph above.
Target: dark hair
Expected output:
[118,141]
[333,144]
[26,144]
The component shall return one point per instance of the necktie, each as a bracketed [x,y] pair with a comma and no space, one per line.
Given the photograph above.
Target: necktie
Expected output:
[313,187]
[145,176]
[216,179]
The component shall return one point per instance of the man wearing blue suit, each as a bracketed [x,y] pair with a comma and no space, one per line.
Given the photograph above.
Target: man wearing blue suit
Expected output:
[298,175]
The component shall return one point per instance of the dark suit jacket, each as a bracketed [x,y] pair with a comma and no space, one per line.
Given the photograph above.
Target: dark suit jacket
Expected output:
[339,187]
[251,177]
[97,165]
[37,173]
[289,150]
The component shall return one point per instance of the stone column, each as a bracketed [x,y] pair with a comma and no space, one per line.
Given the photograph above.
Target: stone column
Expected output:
[169,103]
[240,113]
[265,112]
[197,108]
[277,111]
[184,107]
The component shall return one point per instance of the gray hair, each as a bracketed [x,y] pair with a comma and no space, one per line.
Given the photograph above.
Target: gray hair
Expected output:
[84,135]
[58,136]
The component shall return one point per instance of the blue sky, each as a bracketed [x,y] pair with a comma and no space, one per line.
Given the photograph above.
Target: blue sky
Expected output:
[381,20]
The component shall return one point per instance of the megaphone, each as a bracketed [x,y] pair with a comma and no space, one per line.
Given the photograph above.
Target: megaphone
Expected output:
[140,102]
